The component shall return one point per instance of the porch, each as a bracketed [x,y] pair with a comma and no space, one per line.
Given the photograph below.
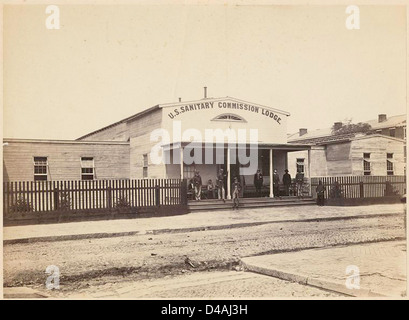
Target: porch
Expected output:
[185,158]
[261,202]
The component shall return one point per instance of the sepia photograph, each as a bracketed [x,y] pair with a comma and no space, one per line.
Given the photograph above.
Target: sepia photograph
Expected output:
[204,150]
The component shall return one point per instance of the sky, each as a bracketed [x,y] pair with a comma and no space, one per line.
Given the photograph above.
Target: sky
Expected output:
[108,62]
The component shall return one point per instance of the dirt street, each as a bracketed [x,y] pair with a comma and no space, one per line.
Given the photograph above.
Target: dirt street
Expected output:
[92,265]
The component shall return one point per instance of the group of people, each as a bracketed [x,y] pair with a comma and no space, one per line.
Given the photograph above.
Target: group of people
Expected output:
[299,179]
[196,185]
[237,187]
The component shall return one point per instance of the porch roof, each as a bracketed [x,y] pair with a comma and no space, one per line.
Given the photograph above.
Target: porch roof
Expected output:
[274,146]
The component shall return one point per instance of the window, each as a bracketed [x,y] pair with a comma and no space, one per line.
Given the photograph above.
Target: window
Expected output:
[367,164]
[145,165]
[300,165]
[389,164]
[229,117]
[392,132]
[40,168]
[188,171]
[87,168]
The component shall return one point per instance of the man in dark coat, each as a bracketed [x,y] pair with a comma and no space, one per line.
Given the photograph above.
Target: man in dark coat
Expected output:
[299,179]
[276,184]
[198,185]
[287,182]
[320,193]
[221,185]
[258,182]
[236,188]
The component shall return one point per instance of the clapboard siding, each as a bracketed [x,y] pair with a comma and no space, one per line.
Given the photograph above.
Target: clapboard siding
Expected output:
[140,130]
[111,160]
[318,162]
[378,147]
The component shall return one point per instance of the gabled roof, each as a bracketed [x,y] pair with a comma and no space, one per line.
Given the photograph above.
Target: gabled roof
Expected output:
[53,141]
[394,121]
[359,137]
[326,133]
[166,105]
[135,116]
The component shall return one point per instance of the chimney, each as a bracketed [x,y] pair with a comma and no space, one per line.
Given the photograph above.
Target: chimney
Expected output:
[337,125]
[382,117]
[180,99]
[205,92]
[303,131]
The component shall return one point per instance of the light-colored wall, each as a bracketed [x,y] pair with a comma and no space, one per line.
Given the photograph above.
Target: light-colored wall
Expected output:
[378,147]
[269,130]
[140,143]
[347,158]
[318,161]
[292,162]
[111,160]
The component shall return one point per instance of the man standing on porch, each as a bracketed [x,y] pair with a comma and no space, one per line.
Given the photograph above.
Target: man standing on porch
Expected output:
[197,179]
[236,187]
[299,180]
[258,182]
[220,185]
[287,182]
[276,184]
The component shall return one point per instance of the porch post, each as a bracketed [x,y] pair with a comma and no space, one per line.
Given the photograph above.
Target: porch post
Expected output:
[271,174]
[181,161]
[228,175]
[309,170]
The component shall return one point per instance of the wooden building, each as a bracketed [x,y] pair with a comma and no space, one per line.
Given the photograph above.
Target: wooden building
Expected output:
[53,160]
[174,140]
[203,135]
[381,151]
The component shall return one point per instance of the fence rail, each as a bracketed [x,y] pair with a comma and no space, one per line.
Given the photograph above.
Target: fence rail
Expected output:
[351,187]
[44,196]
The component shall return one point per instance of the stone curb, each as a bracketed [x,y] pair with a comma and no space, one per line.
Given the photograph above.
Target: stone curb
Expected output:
[23,293]
[182,230]
[305,280]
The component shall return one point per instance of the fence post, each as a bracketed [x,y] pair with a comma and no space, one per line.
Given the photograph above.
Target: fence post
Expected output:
[56,199]
[361,189]
[109,199]
[183,192]
[157,196]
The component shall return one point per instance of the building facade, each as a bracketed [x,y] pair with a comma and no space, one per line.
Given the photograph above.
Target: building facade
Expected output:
[165,141]
[381,151]
[57,160]
[175,140]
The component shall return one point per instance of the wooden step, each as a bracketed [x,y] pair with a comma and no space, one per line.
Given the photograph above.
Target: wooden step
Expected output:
[265,200]
[220,205]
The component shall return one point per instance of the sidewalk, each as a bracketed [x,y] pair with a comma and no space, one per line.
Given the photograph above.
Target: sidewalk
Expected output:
[381,268]
[195,221]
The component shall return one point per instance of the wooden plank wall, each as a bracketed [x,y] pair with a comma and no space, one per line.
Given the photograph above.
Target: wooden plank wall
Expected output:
[111,160]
